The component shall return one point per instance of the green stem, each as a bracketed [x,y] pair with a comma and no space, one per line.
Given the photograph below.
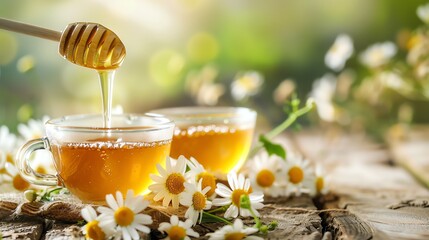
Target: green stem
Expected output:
[258,223]
[55,189]
[283,126]
[220,209]
[219,219]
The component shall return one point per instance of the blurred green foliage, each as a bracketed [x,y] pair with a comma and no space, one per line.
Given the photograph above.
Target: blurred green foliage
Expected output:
[166,40]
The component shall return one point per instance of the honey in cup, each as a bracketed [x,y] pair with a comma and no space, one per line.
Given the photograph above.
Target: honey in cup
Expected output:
[94,161]
[218,137]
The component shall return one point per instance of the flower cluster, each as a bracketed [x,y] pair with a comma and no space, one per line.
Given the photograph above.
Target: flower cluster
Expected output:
[197,190]
[122,218]
[279,177]
[10,179]
[239,196]
[386,84]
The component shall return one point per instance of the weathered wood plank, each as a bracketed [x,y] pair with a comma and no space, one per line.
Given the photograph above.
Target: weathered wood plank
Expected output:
[345,225]
[381,199]
[22,228]
[409,148]
[63,231]
[294,221]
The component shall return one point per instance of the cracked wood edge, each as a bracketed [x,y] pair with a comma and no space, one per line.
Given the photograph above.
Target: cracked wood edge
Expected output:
[22,228]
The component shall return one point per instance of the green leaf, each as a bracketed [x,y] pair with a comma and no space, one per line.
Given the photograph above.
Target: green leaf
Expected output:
[272,148]
[211,218]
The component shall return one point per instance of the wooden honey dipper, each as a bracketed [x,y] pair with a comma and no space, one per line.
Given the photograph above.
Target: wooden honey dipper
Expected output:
[86,44]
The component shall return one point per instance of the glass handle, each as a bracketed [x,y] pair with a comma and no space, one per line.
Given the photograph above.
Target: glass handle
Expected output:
[24,167]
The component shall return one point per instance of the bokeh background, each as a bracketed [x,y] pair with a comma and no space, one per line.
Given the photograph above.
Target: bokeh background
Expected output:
[186,52]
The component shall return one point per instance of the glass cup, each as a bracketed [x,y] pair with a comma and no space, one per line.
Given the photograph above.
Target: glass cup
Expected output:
[93,161]
[217,137]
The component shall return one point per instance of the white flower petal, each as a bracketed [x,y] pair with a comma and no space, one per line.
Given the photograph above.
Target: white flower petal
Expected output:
[192,233]
[156,178]
[143,219]
[125,234]
[221,201]
[161,170]
[110,200]
[163,227]
[119,199]
[231,212]
[174,220]
[133,233]
[142,228]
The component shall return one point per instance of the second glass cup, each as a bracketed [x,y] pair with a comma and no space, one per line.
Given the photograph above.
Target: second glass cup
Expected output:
[217,137]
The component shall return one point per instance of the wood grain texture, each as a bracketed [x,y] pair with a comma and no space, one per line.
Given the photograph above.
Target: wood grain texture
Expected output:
[382,199]
[347,226]
[409,148]
[22,228]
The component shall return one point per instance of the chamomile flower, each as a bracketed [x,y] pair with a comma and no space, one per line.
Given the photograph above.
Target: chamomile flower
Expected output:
[238,186]
[33,129]
[92,229]
[323,92]
[319,183]
[246,84]
[125,215]
[378,54]
[13,176]
[284,90]
[8,144]
[42,162]
[264,173]
[177,229]
[170,184]
[423,13]
[298,174]
[196,200]
[197,172]
[340,51]
[235,231]
[202,87]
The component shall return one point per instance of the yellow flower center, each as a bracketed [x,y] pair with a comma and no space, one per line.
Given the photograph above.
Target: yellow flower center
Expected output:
[124,216]
[320,183]
[93,231]
[236,195]
[9,158]
[41,170]
[174,183]
[20,183]
[176,233]
[209,180]
[199,201]
[265,178]
[296,175]
[235,236]
[413,41]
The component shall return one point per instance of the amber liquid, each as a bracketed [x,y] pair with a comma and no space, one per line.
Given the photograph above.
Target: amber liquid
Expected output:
[93,169]
[219,149]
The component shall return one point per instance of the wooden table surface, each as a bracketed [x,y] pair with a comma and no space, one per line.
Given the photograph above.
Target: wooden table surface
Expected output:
[372,195]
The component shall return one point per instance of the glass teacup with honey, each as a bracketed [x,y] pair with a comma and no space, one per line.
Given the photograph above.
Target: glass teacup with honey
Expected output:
[217,137]
[92,161]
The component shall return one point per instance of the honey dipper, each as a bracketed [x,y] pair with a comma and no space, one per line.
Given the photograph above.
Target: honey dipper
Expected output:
[86,44]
